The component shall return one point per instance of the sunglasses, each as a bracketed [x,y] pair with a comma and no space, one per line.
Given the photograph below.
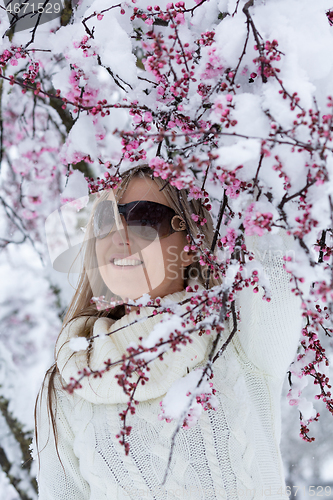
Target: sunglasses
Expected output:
[145,219]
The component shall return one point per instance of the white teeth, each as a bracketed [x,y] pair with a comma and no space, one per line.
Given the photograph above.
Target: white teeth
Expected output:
[126,262]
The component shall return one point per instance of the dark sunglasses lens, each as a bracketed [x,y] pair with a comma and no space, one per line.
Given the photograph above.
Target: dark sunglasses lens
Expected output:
[103,219]
[149,220]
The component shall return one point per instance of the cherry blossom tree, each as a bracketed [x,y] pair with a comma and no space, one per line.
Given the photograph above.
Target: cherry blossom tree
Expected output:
[231,95]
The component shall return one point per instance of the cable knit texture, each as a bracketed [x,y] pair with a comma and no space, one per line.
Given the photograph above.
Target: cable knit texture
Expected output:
[231,453]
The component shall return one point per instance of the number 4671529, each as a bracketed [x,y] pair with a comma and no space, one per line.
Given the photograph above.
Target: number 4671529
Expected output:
[49,8]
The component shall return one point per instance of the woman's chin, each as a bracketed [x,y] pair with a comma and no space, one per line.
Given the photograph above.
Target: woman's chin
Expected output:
[133,283]
[132,291]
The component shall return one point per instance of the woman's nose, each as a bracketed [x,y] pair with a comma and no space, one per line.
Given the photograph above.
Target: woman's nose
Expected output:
[120,234]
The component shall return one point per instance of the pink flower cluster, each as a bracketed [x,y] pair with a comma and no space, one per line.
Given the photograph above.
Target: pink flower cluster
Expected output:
[12,56]
[279,168]
[131,143]
[230,182]
[141,118]
[214,66]
[326,250]
[77,157]
[193,414]
[268,54]
[229,239]
[305,220]
[222,107]
[256,222]
[81,94]
[204,89]
[110,182]
[157,61]
[174,13]
[85,46]
[161,168]
[313,358]
[207,38]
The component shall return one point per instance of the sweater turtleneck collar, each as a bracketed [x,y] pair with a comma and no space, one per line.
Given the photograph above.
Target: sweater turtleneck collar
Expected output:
[113,338]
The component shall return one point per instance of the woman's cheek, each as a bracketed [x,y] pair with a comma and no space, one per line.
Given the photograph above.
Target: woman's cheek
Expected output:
[100,249]
[154,265]
[171,262]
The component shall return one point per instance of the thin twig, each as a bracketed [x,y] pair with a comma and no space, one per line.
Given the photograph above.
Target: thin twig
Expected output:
[233,331]
[243,52]
[256,36]
[216,233]
[37,23]
[322,244]
[286,198]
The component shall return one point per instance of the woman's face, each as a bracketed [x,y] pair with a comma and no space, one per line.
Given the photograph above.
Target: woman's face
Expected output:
[131,266]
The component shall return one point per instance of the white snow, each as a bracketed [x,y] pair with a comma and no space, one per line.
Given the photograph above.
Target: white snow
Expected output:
[78,344]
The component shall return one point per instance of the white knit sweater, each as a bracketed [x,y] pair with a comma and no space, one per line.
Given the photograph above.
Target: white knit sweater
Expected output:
[231,453]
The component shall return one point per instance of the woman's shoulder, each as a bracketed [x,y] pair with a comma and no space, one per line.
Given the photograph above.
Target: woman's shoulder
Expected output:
[80,327]
[77,326]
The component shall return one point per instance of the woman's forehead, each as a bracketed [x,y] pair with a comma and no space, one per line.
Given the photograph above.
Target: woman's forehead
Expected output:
[141,188]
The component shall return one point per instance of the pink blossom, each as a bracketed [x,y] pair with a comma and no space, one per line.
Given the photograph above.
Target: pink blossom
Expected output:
[160,167]
[195,192]
[257,222]
[137,118]
[214,67]
[180,18]
[233,189]
[148,117]
[229,239]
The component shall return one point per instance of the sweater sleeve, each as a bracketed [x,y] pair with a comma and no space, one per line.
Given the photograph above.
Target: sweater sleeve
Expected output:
[269,331]
[59,476]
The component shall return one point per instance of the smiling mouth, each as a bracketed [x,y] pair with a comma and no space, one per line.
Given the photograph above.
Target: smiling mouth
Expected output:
[126,262]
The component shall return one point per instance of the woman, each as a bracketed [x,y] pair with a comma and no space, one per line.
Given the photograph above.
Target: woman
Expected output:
[233,451]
